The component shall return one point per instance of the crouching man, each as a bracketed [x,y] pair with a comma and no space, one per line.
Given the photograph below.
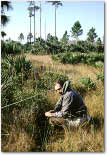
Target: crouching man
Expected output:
[70,108]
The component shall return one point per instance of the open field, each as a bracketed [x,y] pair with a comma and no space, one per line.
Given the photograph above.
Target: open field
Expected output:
[22,138]
[73,71]
[94,100]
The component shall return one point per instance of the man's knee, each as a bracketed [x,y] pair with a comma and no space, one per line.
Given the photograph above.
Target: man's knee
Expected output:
[56,121]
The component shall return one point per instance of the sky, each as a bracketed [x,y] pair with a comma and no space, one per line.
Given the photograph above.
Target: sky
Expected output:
[88,13]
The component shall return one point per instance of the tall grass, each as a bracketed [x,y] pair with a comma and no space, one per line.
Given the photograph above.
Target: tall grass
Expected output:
[25,127]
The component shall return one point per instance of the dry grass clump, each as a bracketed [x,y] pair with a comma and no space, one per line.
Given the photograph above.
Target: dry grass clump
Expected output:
[95,100]
[78,140]
[18,141]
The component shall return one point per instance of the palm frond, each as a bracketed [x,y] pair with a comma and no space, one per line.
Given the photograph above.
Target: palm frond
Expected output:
[55,3]
[6,5]
[4,20]
[3,34]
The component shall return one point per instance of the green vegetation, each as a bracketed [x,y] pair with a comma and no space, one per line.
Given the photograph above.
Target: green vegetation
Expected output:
[48,79]
[76,30]
[5,5]
[10,47]
[75,58]
[100,76]
[15,89]
[27,85]
[92,35]
[88,83]
[26,120]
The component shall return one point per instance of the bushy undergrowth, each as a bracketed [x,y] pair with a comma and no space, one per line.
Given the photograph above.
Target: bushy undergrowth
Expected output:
[14,72]
[24,125]
[10,47]
[15,65]
[100,76]
[48,79]
[88,83]
[56,47]
[53,46]
[85,47]
[75,58]
[28,114]
[46,47]
[50,46]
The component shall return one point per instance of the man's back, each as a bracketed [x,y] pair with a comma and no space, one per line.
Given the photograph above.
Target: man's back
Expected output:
[70,105]
[76,106]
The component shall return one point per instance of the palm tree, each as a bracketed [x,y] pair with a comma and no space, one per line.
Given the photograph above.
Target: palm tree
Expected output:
[40,20]
[29,37]
[56,4]
[32,8]
[36,8]
[30,15]
[3,34]
[21,37]
[5,5]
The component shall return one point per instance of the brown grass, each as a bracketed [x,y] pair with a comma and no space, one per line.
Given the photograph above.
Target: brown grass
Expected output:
[19,141]
[84,141]
[73,71]
[90,139]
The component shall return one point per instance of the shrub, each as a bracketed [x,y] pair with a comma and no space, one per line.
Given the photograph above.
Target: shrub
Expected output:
[29,115]
[27,47]
[78,47]
[100,76]
[100,48]
[50,46]
[74,58]
[18,67]
[11,47]
[48,79]
[39,47]
[99,64]
[54,57]
[88,83]
[11,76]
[21,64]
[12,86]
[85,47]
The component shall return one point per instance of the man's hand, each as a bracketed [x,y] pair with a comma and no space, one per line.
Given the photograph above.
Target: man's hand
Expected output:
[48,114]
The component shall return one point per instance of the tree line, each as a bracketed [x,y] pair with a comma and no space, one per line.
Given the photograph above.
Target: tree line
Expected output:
[51,45]
[76,29]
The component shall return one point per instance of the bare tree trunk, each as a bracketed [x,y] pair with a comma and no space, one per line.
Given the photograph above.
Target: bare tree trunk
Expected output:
[40,20]
[34,25]
[30,29]
[55,20]
[45,29]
